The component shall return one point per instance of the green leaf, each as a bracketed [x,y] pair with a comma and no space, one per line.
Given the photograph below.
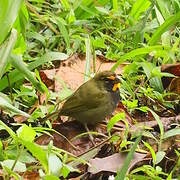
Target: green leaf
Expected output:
[163,7]
[88,58]
[139,7]
[37,152]
[17,62]
[50,177]
[9,130]
[114,120]
[9,11]
[15,76]
[160,156]
[19,167]
[55,164]
[121,174]
[163,28]
[26,133]
[137,52]
[172,132]
[161,127]
[66,4]
[152,151]
[7,106]
[5,51]
[63,30]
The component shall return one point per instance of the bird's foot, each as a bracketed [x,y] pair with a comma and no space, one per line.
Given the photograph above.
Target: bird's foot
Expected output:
[90,135]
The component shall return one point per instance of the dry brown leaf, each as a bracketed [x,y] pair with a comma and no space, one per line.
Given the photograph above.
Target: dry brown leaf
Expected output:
[174,86]
[47,77]
[170,68]
[113,163]
[72,71]
[28,175]
[69,130]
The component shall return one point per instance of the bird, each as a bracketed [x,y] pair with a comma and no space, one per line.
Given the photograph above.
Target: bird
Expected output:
[94,100]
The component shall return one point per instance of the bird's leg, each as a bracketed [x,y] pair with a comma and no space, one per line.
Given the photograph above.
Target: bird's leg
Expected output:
[90,135]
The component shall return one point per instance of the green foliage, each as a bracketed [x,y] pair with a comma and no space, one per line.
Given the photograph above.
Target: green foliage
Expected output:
[121,174]
[9,11]
[35,33]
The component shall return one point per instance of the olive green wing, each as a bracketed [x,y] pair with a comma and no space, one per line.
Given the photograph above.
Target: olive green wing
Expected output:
[88,96]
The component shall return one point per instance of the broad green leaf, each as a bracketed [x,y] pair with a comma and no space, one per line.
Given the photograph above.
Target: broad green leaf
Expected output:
[50,177]
[55,164]
[19,167]
[26,133]
[9,11]
[37,152]
[159,156]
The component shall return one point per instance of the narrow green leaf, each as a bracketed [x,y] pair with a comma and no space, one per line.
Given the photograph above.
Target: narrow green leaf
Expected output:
[163,7]
[163,28]
[15,76]
[17,62]
[121,174]
[152,151]
[7,106]
[114,120]
[5,51]
[63,30]
[66,4]
[88,58]
[139,7]
[137,52]
[172,132]
[115,5]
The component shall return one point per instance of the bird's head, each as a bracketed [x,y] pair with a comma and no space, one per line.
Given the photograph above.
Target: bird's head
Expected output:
[109,80]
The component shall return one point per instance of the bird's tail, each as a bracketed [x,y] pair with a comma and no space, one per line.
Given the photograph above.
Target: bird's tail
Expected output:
[52,115]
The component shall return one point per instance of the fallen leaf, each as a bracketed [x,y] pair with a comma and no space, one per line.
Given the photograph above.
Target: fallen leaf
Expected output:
[47,77]
[72,70]
[113,163]
[170,68]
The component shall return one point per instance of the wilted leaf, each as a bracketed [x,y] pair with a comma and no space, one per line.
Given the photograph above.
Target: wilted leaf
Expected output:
[113,163]
[19,167]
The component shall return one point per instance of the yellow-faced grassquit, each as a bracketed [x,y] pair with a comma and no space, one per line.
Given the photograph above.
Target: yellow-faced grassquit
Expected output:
[93,100]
